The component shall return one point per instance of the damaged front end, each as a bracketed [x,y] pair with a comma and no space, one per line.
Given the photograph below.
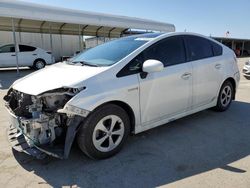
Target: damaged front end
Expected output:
[43,124]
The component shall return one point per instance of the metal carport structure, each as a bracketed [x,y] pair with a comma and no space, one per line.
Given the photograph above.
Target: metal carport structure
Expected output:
[34,18]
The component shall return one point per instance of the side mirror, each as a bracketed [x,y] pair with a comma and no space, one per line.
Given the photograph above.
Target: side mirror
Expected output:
[152,65]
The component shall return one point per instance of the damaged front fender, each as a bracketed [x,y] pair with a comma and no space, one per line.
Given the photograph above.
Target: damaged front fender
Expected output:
[73,110]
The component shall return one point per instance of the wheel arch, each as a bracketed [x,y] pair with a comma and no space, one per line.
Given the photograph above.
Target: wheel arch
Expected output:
[233,82]
[39,59]
[125,107]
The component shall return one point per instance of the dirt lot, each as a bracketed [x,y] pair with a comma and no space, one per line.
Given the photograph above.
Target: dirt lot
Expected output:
[207,149]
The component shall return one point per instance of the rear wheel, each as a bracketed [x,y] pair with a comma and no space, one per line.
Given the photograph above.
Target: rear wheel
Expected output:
[39,64]
[225,96]
[104,132]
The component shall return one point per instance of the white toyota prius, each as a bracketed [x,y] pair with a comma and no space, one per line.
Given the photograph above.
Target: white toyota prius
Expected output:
[125,86]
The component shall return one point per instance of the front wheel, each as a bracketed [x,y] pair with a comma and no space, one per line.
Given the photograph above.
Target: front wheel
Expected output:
[104,132]
[225,96]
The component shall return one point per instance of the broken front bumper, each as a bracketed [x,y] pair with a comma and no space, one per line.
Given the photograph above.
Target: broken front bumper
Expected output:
[18,143]
[18,139]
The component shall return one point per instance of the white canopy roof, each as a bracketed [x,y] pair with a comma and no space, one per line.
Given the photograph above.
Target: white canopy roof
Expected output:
[38,19]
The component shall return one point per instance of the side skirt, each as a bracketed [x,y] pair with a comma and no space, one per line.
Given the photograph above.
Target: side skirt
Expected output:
[144,127]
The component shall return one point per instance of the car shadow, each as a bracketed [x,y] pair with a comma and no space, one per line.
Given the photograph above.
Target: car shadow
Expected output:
[186,147]
[8,76]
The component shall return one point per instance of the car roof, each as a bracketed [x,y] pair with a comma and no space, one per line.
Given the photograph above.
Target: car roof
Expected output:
[149,35]
[164,35]
[18,44]
[169,34]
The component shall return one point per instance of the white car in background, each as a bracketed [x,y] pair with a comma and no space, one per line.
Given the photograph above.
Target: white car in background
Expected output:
[246,70]
[28,56]
[124,86]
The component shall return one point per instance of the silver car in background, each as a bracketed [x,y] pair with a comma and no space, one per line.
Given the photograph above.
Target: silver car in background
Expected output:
[246,70]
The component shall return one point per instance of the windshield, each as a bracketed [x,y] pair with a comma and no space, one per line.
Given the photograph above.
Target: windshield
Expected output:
[111,52]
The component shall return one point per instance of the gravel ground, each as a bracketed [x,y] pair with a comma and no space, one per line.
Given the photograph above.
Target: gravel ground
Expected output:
[207,149]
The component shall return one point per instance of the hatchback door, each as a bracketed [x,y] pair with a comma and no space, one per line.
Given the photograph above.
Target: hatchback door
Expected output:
[7,56]
[167,93]
[207,64]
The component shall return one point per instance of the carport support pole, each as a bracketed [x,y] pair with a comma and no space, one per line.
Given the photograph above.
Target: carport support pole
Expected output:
[20,37]
[42,40]
[15,43]
[61,42]
[80,38]
[51,42]
[242,48]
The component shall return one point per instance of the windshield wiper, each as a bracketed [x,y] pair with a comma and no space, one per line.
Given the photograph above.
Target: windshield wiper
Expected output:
[85,63]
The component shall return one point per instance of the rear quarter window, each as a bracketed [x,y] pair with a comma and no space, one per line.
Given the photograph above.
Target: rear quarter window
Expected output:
[217,49]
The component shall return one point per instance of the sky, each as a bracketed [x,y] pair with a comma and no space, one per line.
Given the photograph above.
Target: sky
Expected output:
[208,17]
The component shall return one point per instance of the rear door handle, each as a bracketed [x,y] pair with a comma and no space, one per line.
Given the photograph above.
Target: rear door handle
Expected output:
[13,55]
[217,66]
[186,75]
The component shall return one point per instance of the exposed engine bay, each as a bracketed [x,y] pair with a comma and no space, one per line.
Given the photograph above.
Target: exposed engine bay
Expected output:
[38,116]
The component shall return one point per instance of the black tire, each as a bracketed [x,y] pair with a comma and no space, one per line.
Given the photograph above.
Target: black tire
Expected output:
[86,136]
[39,64]
[223,105]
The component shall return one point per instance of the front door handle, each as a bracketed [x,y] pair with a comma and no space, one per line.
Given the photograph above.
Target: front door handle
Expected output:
[186,75]
[13,55]
[217,66]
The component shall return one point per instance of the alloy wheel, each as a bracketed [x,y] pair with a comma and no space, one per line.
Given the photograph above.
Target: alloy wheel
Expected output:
[226,96]
[108,133]
[39,64]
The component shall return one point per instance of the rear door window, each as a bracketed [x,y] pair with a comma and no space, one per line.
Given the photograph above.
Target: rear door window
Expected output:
[25,48]
[198,48]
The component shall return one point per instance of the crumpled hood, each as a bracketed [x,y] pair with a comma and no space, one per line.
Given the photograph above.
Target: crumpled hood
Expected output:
[55,76]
